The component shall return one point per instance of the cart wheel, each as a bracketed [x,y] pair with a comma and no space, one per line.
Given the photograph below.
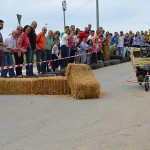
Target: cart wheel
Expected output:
[146,83]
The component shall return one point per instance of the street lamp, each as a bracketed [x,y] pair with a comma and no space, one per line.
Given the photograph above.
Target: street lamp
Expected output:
[97,13]
[19,19]
[64,7]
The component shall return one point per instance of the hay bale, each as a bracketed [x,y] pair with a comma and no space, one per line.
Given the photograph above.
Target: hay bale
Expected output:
[82,82]
[28,86]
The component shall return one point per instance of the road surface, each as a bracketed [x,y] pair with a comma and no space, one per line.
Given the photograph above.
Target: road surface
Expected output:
[118,120]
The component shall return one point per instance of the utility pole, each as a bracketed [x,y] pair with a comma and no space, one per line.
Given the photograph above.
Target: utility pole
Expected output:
[64,7]
[97,13]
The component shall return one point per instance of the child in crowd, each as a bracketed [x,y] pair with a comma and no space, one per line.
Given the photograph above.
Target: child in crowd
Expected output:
[95,50]
[89,51]
[73,51]
[100,54]
[55,52]
[77,59]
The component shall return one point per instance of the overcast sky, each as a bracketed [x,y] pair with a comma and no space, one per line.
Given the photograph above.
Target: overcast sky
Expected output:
[115,15]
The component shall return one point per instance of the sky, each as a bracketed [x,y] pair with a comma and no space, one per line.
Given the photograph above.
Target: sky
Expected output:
[114,15]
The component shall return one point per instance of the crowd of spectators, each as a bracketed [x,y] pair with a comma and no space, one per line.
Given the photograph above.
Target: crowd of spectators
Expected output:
[54,48]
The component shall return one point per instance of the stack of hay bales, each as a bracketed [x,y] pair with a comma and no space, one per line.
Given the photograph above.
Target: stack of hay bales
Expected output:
[82,82]
[29,86]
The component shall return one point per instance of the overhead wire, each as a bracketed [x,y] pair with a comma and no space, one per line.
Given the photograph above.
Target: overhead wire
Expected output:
[84,5]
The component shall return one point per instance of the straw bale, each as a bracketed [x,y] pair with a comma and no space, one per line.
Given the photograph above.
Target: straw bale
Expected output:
[27,86]
[82,82]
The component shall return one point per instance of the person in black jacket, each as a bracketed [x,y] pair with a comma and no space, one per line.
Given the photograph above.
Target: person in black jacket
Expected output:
[30,52]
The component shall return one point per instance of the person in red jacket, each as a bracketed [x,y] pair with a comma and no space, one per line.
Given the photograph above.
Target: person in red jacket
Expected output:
[84,34]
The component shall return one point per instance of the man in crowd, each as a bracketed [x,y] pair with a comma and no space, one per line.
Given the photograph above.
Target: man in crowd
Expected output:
[92,32]
[49,46]
[126,50]
[2,45]
[30,51]
[84,34]
[8,59]
[120,43]
[40,51]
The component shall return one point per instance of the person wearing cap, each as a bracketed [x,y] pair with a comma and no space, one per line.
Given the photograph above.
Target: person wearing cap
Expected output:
[120,44]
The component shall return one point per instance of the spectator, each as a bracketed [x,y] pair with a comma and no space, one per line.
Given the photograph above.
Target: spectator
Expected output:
[136,40]
[40,51]
[64,48]
[55,52]
[77,37]
[142,37]
[100,53]
[30,51]
[84,34]
[148,37]
[126,50]
[120,44]
[2,45]
[106,44]
[92,32]
[49,45]
[95,50]
[83,48]
[23,43]
[96,35]
[89,51]
[90,27]
[113,43]
[8,59]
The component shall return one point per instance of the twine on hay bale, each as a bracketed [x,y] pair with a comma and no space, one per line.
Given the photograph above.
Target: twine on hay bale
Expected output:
[29,86]
[82,82]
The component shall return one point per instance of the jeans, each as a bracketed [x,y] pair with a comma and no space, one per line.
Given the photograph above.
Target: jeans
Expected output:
[41,56]
[120,50]
[8,61]
[48,58]
[29,59]
[83,58]
[88,58]
[18,60]
[1,57]
[126,52]
[64,53]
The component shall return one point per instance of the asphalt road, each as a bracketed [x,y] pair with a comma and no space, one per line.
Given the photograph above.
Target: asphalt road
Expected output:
[118,120]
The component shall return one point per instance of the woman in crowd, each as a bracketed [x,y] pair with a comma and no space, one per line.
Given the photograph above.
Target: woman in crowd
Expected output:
[23,44]
[55,52]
